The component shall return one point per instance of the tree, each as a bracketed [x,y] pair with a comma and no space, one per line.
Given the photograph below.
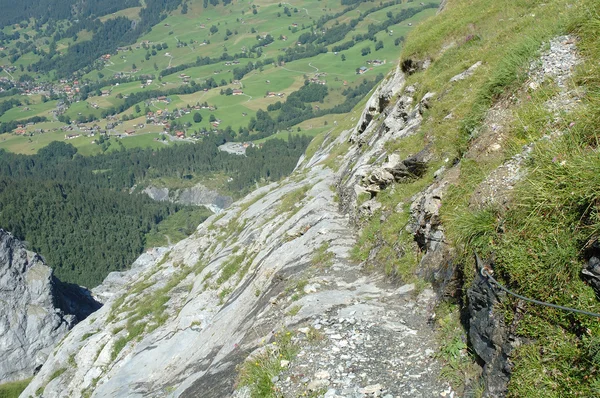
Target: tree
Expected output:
[197,117]
[343,57]
[365,51]
[212,118]
[213,29]
[379,45]
[133,66]
[137,108]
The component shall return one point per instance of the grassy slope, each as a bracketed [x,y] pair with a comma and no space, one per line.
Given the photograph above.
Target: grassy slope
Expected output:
[539,242]
[13,389]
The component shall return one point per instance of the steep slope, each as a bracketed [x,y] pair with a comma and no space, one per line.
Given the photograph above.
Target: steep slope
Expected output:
[187,320]
[37,309]
[430,172]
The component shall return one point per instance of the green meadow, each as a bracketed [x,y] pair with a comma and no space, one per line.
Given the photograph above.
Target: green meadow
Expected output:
[188,36]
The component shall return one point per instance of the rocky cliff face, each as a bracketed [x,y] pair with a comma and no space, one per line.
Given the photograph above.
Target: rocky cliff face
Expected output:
[197,195]
[37,309]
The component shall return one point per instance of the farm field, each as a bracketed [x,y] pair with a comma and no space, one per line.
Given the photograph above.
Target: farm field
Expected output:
[185,52]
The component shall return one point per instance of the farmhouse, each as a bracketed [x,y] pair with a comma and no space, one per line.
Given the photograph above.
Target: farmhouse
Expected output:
[237,92]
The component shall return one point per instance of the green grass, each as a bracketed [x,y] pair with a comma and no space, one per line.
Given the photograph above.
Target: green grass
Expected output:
[56,374]
[538,242]
[322,257]
[294,310]
[257,372]
[146,311]
[13,389]
[177,226]
[459,366]
[292,200]
[230,268]
[231,109]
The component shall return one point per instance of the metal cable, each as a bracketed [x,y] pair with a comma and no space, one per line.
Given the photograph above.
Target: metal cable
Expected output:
[486,274]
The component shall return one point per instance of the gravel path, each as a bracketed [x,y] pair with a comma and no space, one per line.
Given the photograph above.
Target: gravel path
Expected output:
[365,338]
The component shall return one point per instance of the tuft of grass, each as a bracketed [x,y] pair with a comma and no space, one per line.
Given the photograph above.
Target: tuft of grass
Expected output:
[56,374]
[294,310]
[291,201]
[258,372]
[14,388]
[244,206]
[322,257]
[314,335]
[87,335]
[119,345]
[459,366]
[223,294]
[230,268]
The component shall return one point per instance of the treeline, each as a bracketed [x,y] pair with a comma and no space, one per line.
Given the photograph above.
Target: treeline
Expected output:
[106,38]
[8,104]
[139,96]
[297,108]
[77,211]
[79,55]
[339,32]
[122,169]
[84,232]
[6,127]
[44,10]
[201,61]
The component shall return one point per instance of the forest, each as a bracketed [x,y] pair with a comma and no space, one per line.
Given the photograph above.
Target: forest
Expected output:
[78,213]
[297,108]
[107,37]
[44,10]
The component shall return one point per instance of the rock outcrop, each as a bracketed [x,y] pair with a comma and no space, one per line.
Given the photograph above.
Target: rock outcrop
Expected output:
[198,195]
[37,309]
[492,340]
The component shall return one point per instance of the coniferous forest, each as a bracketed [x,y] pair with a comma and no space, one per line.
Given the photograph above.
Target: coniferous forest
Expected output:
[78,211]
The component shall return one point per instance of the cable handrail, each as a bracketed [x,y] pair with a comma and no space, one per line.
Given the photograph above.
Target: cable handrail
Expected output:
[486,274]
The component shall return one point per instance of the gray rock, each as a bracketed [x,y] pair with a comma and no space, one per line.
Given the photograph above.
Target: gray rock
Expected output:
[491,339]
[468,73]
[37,309]
[198,195]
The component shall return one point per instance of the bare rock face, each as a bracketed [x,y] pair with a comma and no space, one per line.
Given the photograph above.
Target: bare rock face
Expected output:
[198,195]
[37,309]
[491,338]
